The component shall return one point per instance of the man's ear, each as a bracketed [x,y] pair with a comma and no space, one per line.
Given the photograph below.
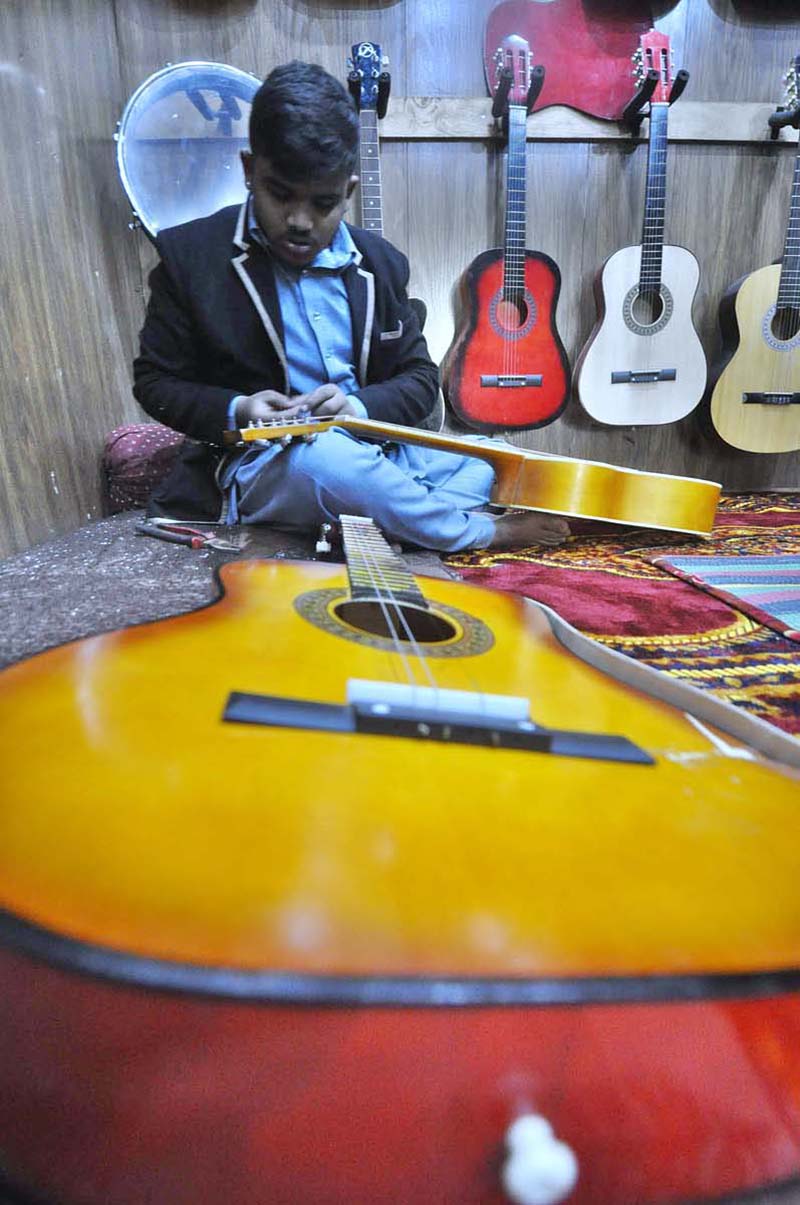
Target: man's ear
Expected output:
[247,166]
[351,183]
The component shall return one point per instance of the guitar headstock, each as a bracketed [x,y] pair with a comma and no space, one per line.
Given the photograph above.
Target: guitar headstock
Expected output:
[283,430]
[514,54]
[367,65]
[655,53]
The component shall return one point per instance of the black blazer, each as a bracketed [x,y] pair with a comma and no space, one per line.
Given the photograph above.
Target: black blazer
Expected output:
[213,330]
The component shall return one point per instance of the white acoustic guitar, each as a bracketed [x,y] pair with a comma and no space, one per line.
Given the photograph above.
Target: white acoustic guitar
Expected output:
[755,401]
[644,363]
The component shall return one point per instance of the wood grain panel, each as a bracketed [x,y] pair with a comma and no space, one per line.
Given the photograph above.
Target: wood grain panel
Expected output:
[427,117]
[68,313]
[74,276]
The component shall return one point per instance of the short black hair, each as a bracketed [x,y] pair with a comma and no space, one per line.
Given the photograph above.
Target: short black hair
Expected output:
[304,121]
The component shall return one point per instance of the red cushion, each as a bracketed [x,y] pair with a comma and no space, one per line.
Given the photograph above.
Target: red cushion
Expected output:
[135,458]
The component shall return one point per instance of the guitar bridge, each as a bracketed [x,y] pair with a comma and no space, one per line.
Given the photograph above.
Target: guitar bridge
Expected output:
[511,380]
[771,399]
[386,709]
[644,377]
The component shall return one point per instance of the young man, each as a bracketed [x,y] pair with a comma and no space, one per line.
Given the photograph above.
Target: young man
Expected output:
[278,306]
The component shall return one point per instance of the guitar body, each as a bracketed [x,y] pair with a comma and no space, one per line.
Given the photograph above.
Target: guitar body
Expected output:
[493,339]
[584,46]
[621,343]
[755,361]
[243,962]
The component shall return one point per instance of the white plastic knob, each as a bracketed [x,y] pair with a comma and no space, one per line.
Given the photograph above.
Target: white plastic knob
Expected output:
[539,1169]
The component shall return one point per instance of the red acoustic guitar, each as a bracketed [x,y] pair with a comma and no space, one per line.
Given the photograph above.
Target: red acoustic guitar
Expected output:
[507,367]
[585,47]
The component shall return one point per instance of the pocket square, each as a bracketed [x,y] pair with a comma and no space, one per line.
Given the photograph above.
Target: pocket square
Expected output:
[386,336]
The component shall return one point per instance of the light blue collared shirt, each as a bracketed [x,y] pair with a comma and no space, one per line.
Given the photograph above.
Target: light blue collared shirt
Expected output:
[317,327]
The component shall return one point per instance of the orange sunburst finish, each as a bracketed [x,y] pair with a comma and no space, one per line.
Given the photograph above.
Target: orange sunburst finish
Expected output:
[164,875]
[169,833]
[491,341]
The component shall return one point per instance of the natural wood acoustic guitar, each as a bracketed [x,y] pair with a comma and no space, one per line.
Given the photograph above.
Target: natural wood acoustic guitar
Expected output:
[755,399]
[506,367]
[528,480]
[369,84]
[644,363]
[310,894]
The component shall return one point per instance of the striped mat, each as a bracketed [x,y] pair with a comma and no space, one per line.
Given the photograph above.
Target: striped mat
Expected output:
[767,588]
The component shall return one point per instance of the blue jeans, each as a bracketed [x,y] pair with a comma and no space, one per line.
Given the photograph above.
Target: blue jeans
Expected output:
[415,495]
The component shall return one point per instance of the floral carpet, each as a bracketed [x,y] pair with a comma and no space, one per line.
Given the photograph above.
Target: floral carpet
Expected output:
[604,581]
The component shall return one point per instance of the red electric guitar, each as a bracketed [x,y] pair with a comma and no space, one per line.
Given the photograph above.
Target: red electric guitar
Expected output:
[507,367]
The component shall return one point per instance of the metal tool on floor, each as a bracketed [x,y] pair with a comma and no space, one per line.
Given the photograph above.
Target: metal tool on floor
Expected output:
[176,532]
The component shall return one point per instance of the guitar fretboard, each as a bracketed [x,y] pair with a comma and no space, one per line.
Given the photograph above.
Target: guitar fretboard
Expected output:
[515,233]
[654,201]
[789,287]
[374,570]
[370,163]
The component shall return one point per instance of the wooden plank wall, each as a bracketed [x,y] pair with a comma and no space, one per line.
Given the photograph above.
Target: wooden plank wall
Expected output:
[74,277]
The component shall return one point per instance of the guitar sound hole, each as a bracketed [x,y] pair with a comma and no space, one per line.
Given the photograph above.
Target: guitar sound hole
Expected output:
[396,621]
[648,307]
[511,315]
[785,323]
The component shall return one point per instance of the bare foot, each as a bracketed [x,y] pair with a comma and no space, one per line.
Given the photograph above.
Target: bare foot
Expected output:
[518,529]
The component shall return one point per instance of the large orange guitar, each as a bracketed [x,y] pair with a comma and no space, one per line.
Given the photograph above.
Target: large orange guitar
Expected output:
[529,480]
[330,886]
[507,367]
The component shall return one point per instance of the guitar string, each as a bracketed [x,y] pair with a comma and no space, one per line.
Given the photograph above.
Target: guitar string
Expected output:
[786,314]
[655,198]
[363,534]
[371,558]
[516,182]
[509,267]
[353,537]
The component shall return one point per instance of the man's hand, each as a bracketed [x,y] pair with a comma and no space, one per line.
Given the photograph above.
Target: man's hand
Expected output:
[266,405]
[325,402]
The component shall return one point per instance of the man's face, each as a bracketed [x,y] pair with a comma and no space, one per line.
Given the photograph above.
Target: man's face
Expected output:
[299,219]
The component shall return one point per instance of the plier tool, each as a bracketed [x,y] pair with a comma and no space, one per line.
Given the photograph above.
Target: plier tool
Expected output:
[193,537]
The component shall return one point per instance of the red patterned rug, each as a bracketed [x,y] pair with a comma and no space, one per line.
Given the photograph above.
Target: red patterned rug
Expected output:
[604,582]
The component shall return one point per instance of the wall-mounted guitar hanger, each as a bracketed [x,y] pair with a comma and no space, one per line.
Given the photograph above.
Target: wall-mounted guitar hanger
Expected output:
[500,101]
[633,115]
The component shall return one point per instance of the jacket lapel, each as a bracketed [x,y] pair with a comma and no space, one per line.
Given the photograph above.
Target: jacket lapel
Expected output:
[360,285]
[255,272]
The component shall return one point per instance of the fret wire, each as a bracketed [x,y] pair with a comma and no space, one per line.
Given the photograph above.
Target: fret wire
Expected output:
[370,163]
[789,285]
[515,220]
[655,201]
